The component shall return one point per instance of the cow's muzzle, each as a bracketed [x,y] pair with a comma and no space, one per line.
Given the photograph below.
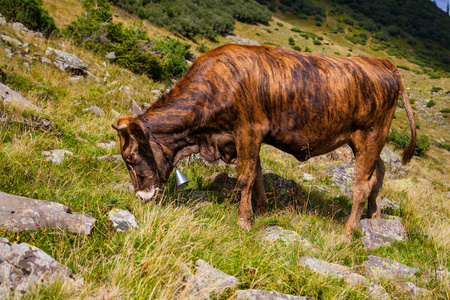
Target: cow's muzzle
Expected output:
[147,195]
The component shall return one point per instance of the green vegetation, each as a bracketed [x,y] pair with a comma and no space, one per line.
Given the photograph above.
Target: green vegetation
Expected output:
[445,110]
[30,13]
[194,19]
[294,29]
[401,139]
[431,103]
[435,89]
[158,59]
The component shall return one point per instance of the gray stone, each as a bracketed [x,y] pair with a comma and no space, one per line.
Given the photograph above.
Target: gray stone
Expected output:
[11,41]
[20,27]
[127,90]
[265,295]
[23,266]
[343,178]
[95,109]
[441,273]
[45,60]
[411,288]
[106,145]
[115,158]
[206,280]
[66,60]
[332,270]
[382,267]
[76,78]
[376,291]
[2,20]
[276,233]
[56,156]
[242,40]
[10,97]
[114,113]
[382,232]
[389,157]
[156,92]
[91,75]
[123,220]
[111,55]
[344,154]
[21,213]
[135,108]
[308,177]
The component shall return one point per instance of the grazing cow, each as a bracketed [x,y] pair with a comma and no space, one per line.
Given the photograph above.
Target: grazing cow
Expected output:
[234,98]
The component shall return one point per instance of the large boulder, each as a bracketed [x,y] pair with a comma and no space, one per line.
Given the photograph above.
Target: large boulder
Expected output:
[66,60]
[11,97]
[22,266]
[21,213]
[382,267]
[382,232]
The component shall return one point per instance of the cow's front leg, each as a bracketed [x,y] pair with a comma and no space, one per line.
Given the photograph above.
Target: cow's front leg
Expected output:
[247,145]
[259,192]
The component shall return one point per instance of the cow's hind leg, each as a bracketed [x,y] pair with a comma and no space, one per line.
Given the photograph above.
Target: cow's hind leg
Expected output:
[374,202]
[259,192]
[367,148]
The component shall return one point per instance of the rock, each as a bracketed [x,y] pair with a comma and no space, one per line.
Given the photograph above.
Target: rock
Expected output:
[123,220]
[114,113]
[135,108]
[45,60]
[66,60]
[265,295]
[20,27]
[11,41]
[91,75]
[242,40]
[76,78]
[411,288]
[107,145]
[308,177]
[382,267]
[207,280]
[389,157]
[343,178]
[97,110]
[21,213]
[22,266]
[333,270]
[381,232]
[344,154]
[157,93]
[280,188]
[111,55]
[441,273]
[56,156]
[390,205]
[376,291]
[2,20]
[127,90]
[276,233]
[115,158]
[8,96]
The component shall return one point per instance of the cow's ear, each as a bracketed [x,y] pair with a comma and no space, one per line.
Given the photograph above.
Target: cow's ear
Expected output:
[138,131]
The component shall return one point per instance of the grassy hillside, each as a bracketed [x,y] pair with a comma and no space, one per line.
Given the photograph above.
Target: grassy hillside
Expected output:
[174,230]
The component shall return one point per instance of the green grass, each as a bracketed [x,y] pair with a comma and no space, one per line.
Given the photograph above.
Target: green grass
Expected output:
[144,263]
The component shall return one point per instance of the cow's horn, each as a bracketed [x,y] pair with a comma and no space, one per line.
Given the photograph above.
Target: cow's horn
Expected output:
[121,127]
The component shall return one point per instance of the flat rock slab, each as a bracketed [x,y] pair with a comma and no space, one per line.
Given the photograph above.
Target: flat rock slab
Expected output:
[11,41]
[56,156]
[411,288]
[123,220]
[66,60]
[382,232]
[382,267]
[276,233]
[333,270]
[9,96]
[266,295]
[206,280]
[343,178]
[23,266]
[21,213]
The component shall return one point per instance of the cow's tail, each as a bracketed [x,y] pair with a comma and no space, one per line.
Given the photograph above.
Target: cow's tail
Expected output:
[409,151]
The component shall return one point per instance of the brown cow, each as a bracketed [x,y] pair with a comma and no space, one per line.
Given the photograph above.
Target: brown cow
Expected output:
[234,98]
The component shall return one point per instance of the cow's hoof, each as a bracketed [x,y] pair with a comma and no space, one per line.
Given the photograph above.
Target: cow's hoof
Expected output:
[245,223]
[263,210]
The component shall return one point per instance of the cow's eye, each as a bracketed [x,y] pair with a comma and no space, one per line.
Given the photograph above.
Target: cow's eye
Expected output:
[130,158]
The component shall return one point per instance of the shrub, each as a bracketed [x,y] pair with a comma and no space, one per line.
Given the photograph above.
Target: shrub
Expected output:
[403,67]
[297,48]
[431,103]
[382,36]
[30,13]
[307,49]
[445,110]
[348,21]
[280,24]
[334,30]
[401,139]
[202,48]
[317,42]
[355,39]
[412,100]
[318,24]
[291,41]
[295,29]
[435,89]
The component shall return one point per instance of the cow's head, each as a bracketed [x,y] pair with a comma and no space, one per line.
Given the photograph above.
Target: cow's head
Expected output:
[147,165]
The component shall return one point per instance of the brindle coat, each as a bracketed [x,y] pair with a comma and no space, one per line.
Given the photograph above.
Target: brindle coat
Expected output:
[234,98]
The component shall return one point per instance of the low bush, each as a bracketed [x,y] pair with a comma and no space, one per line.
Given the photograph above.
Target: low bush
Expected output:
[401,139]
[30,13]
[295,29]
[431,103]
[435,89]
[445,110]
[297,48]
[291,41]
[317,42]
